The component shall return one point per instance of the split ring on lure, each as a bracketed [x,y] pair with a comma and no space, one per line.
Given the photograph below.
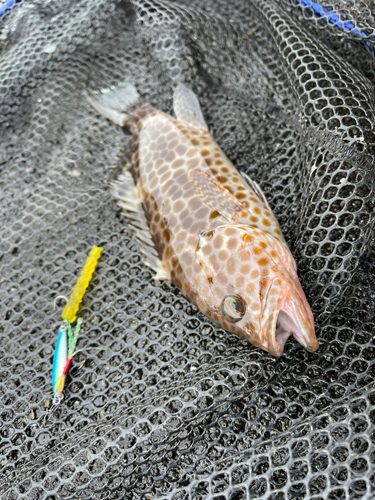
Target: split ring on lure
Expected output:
[67,337]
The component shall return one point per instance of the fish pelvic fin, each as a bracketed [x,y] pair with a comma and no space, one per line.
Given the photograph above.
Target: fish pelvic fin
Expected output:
[126,195]
[116,103]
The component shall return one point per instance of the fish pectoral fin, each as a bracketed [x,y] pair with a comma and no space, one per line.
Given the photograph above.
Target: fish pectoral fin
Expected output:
[126,195]
[257,190]
[216,196]
[187,108]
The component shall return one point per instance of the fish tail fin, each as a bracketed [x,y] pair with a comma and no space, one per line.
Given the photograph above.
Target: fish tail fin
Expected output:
[115,104]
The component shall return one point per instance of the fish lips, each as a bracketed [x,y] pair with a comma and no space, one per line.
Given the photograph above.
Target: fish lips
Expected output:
[292,319]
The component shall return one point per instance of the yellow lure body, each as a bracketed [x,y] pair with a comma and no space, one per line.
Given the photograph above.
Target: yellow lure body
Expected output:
[70,311]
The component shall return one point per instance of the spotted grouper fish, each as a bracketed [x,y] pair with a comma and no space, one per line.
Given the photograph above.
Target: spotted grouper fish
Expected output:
[203,225]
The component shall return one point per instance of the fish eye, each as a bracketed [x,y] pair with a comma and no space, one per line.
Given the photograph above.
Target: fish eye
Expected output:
[233,307]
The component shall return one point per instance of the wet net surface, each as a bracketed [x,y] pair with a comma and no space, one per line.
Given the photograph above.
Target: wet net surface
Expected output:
[175,407]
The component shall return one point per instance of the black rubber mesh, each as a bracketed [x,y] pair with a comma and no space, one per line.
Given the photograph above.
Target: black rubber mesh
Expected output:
[175,407]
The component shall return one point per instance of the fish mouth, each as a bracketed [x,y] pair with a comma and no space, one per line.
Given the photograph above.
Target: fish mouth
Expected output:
[281,335]
[291,321]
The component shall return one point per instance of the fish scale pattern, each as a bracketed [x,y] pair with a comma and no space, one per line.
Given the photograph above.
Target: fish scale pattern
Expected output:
[175,407]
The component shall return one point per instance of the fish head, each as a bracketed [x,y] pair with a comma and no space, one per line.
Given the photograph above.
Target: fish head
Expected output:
[256,291]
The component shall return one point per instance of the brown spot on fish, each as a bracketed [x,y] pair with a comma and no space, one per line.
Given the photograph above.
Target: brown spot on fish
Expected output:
[240,196]
[231,267]
[223,255]
[222,278]
[230,231]
[232,243]
[214,215]
[245,269]
[207,234]
[193,163]
[178,205]
[218,241]
[214,263]
[244,256]
[178,163]
[240,281]
[207,249]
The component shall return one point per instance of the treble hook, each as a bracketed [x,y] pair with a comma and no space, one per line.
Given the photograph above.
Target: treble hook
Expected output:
[55,404]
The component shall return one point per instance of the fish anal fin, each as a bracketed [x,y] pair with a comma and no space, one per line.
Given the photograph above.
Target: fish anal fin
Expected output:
[187,108]
[126,195]
[216,196]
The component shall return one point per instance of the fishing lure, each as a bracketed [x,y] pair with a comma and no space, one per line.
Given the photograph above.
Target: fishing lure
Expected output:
[67,337]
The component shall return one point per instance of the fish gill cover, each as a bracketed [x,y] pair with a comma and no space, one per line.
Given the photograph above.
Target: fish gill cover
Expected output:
[175,407]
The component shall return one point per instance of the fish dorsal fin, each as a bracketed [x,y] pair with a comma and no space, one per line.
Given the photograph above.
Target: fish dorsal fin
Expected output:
[216,196]
[187,108]
[257,190]
[126,194]
[273,228]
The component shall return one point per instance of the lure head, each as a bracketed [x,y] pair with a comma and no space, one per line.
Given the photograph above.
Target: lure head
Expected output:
[255,290]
